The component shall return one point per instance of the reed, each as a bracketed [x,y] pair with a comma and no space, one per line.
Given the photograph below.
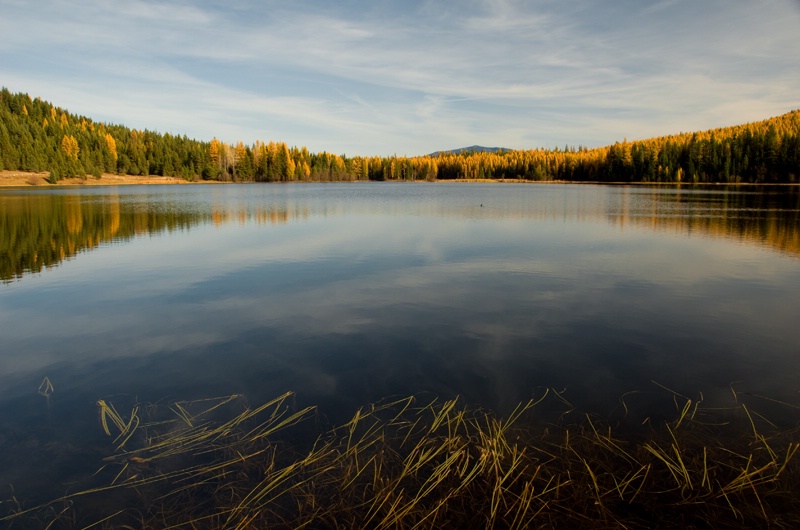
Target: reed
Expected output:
[46,389]
[408,464]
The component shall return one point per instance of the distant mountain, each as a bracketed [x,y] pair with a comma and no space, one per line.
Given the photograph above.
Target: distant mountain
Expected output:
[471,149]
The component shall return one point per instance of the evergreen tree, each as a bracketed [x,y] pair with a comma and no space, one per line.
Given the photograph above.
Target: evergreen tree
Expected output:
[37,136]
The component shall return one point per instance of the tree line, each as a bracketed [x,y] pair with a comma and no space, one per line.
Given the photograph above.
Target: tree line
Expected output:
[38,136]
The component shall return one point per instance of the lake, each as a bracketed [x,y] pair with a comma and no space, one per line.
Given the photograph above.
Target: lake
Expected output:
[351,293]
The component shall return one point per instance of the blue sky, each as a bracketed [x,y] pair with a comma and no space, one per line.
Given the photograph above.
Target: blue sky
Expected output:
[381,77]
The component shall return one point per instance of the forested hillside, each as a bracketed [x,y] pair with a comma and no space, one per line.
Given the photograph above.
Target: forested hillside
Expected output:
[37,136]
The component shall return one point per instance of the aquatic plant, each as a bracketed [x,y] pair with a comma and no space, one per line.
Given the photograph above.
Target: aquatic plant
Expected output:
[410,463]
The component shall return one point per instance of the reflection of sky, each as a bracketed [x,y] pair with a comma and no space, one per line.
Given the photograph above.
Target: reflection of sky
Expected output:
[353,305]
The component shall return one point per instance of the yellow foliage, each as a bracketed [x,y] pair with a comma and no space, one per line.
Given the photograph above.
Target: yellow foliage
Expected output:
[214,150]
[111,144]
[70,146]
[241,152]
[305,170]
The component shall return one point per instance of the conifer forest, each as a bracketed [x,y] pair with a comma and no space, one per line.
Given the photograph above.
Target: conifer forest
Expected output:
[38,136]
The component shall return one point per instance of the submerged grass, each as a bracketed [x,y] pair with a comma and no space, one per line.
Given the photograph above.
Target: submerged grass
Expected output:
[437,464]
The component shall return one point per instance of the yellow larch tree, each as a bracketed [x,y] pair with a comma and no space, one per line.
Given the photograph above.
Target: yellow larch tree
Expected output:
[70,146]
[214,150]
[111,144]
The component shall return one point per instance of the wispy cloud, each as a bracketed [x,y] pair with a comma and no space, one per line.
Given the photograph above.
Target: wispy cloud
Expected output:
[372,78]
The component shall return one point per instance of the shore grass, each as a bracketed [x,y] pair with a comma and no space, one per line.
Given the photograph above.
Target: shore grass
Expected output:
[414,463]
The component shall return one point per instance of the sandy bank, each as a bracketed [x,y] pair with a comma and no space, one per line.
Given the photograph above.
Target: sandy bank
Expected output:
[23,178]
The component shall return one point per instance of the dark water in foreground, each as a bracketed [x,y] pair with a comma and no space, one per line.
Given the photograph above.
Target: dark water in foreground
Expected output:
[350,293]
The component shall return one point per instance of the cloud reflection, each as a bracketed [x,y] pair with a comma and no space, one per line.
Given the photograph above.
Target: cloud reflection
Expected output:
[365,296]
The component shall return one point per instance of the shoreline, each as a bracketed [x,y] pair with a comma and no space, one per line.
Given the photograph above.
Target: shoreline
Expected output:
[26,179]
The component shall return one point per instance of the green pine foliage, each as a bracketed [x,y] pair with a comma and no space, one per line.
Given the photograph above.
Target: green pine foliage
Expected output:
[37,136]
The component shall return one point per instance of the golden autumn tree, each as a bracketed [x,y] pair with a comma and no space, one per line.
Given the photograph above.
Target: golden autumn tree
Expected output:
[290,165]
[214,151]
[110,154]
[303,170]
[70,146]
[111,144]
[217,154]
[241,151]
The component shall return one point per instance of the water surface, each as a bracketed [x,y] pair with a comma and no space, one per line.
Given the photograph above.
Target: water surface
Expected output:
[350,293]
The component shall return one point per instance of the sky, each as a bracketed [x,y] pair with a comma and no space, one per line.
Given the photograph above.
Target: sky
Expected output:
[383,77]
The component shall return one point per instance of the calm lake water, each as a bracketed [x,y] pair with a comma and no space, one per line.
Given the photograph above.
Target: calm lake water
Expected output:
[350,293]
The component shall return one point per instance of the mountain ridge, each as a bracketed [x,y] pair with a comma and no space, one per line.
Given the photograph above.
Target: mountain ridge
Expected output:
[471,149]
